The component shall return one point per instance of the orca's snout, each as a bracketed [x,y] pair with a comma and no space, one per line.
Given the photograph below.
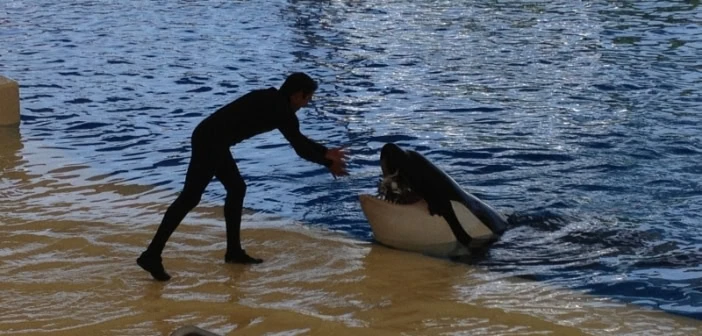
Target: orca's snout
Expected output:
[392,158]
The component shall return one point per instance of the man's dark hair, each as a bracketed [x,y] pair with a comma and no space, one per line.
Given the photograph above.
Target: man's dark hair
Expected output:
[298,82]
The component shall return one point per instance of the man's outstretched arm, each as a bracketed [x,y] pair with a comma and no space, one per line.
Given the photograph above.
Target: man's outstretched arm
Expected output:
[308,149]
[338,158]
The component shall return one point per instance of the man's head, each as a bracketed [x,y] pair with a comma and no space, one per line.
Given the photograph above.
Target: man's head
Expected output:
[299,89]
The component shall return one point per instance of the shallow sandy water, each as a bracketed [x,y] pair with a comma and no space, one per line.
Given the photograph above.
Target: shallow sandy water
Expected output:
[79,278]
[69,237]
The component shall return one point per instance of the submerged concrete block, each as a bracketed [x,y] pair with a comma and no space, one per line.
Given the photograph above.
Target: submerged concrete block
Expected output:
[9,102]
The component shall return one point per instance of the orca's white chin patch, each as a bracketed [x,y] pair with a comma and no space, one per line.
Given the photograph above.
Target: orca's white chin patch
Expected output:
[410,227]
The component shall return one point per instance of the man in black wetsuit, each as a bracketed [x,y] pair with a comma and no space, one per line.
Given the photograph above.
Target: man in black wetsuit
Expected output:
[254,113]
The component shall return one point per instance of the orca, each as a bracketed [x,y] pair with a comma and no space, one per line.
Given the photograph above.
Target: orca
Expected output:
[420,208]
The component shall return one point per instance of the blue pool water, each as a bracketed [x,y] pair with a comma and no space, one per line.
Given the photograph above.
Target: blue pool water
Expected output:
[580,120]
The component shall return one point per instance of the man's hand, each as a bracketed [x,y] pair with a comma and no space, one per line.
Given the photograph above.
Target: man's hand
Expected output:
[338,159]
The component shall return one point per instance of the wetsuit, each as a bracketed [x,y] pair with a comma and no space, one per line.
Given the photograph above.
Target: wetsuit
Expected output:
[254,113]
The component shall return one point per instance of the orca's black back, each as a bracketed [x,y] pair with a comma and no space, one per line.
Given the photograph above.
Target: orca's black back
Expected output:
[433,181]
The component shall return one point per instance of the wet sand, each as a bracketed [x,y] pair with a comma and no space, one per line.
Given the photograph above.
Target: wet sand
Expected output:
[70,235]
[79,278]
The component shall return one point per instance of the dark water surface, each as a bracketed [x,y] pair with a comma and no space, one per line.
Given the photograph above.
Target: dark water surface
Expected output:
[581,120]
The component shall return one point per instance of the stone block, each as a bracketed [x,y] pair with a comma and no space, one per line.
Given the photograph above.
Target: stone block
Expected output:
[9,102]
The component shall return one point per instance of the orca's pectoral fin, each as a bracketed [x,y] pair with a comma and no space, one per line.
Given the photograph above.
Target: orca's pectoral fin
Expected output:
[433,209]
[458,231]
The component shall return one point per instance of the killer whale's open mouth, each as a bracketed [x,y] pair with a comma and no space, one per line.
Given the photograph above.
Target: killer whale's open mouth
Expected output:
[400,215]
[393,189]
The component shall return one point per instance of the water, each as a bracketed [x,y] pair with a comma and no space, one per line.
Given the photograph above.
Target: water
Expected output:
[579,120]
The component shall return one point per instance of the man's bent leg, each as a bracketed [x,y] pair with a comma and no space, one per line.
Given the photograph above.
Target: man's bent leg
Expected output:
[198,176]
[228,174]
[186,201]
